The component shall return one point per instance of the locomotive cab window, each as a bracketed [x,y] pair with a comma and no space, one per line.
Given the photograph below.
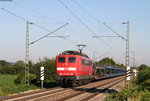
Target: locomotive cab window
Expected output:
[71,59]
[61,59]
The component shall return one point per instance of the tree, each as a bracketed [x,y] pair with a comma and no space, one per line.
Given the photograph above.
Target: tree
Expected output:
[49,70]
[3,63]
[5,67]
[107,61]
[143,77]
[18,67]
[143,67]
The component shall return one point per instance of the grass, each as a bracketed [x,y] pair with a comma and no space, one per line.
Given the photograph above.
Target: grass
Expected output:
[7,85]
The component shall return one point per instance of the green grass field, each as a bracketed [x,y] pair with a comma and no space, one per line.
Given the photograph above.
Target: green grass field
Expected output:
[7,85]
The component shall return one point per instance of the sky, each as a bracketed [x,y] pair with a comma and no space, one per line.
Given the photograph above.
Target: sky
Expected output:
[86,19]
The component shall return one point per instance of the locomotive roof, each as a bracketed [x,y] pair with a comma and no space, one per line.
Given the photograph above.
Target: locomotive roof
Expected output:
[73,53]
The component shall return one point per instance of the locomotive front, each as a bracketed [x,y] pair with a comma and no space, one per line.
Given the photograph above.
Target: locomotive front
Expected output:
[73,68]
[66,68]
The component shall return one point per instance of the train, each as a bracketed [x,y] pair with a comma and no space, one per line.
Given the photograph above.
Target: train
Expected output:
[74,68]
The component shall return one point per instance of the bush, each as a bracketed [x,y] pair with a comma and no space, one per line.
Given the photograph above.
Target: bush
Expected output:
[143,75]
[49,70]
[120,96]
[131,94]
[145,85]
[32,78]
[145,96]
[21,78]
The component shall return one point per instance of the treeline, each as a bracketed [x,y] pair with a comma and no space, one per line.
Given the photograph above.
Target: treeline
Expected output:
[138,89]
[19,69]
[109,61]
[11,68]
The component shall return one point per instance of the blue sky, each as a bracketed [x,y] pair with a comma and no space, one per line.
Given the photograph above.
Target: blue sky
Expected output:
[51,14]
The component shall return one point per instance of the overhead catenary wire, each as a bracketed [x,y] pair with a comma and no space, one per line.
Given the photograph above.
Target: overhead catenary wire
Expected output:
[114,31]
[35,12]
[94,17]
[13,14]
[81,38]
[48,34]
[87,12]
[24,19]
[82,22]
[76,17]
[89,15]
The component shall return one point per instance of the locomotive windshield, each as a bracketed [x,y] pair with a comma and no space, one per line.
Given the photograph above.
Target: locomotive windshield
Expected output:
[71,59]
[61,59]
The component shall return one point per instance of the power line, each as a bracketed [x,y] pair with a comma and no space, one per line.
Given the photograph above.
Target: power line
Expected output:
[96,20]
[13,14]
[87,12]
[81,21]
[37,13]
[93,18]
[82,8]
[33,11]
[76,17]
[22,18]
[48,34]
[79,35]
[114,31]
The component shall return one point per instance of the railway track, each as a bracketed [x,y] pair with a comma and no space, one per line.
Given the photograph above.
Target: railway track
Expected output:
[69,94]
[99,90]
[91,92]
[31,95]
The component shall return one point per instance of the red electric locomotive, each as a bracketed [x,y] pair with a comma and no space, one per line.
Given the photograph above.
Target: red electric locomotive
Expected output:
[73,68]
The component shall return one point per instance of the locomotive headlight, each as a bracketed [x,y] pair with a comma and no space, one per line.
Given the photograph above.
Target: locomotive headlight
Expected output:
[60,73]
[72,74]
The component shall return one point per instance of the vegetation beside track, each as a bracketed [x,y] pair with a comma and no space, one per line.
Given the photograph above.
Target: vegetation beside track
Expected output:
[138,89]
[12,79]
[7,85]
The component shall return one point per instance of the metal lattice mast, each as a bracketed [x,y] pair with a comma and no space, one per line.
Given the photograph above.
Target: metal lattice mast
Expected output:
[27,55]
[127,45]
[127,51]
[133,58]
